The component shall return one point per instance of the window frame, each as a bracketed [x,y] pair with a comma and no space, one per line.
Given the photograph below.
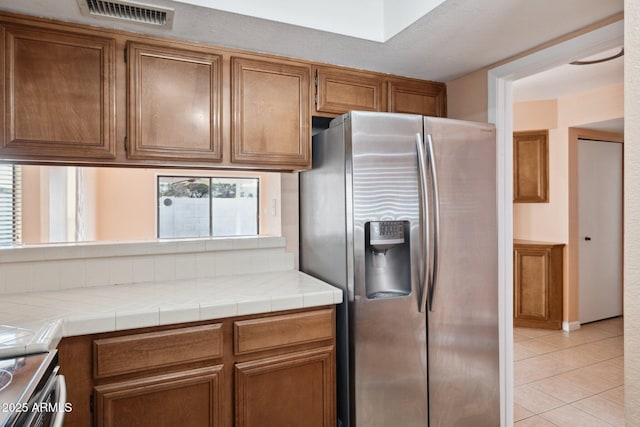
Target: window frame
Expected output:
[211,179]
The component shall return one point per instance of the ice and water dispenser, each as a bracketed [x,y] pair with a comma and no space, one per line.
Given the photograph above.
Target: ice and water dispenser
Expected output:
[387,259]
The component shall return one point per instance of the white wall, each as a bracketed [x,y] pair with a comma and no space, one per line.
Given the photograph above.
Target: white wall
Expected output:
[631,210]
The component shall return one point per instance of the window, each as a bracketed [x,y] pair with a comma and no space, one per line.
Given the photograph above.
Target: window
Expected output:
[196,206]
[10,204]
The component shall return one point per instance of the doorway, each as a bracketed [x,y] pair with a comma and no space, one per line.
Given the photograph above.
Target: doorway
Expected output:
[500,105]
[599,229]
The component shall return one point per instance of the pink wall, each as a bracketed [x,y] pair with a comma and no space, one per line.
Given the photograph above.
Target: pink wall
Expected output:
[119,204]
[544,221]
[467,97]
[31,204]
[125,204]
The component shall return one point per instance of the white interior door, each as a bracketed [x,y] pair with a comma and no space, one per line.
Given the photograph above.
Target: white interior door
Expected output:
[600,230]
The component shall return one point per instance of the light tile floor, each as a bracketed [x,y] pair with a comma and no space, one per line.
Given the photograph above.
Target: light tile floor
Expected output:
[569,378]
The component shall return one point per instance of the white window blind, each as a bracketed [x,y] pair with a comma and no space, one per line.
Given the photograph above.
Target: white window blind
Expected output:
[10,204]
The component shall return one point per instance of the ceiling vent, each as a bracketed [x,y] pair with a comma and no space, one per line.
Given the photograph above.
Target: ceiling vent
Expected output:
[122,10]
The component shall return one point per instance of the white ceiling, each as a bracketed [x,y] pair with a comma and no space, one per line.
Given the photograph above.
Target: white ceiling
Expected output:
[375,20]
[455,38]
[569,80]
[429,39]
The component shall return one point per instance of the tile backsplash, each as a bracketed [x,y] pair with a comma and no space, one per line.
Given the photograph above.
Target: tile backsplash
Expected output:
[51,267]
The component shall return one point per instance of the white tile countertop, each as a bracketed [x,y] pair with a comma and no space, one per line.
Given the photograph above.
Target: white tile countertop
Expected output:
[52,315]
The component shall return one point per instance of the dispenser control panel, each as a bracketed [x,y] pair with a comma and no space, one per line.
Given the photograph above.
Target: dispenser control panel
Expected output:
[386,232]
[387,259]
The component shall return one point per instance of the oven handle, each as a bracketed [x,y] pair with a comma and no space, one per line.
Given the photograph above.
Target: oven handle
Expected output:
[61,392]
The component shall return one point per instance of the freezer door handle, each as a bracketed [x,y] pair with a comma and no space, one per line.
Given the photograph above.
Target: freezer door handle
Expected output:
[424,224]
[433,272]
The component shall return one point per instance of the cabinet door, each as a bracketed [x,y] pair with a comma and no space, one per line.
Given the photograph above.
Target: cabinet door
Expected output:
[189,398]
[339,91]
[537,286]
[58,95]
[174,104]
[417,97]
[292,390]
[270,114]
[531,167]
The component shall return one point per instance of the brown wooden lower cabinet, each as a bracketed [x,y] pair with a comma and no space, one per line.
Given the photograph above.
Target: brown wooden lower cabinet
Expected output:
[186,398]
[275,369]
[292,390]
[537,285]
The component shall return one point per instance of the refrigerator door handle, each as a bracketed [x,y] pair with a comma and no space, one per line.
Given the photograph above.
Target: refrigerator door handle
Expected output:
[433,279]
[424,224]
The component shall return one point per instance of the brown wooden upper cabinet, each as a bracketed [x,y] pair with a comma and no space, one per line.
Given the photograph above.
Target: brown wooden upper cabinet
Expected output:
[174,109]
[58,94]
[530,166]
[417,97]
[271,122]
[179,103]
[339,91]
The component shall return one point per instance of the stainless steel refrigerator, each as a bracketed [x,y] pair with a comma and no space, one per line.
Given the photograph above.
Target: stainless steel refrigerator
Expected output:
[400,212]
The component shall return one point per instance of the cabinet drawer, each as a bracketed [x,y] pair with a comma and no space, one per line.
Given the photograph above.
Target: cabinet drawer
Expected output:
[142,352]
[282,331]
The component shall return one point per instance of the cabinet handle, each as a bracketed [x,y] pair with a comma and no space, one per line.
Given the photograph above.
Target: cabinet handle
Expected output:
[587,238]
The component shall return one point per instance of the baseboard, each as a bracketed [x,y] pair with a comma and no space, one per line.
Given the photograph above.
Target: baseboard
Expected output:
[570,326]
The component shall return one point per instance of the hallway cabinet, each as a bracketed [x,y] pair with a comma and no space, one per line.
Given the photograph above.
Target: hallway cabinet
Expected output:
[531,166]
[537,284]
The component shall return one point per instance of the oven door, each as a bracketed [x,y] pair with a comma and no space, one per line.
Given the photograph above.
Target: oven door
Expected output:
[33,392]
[48,406]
